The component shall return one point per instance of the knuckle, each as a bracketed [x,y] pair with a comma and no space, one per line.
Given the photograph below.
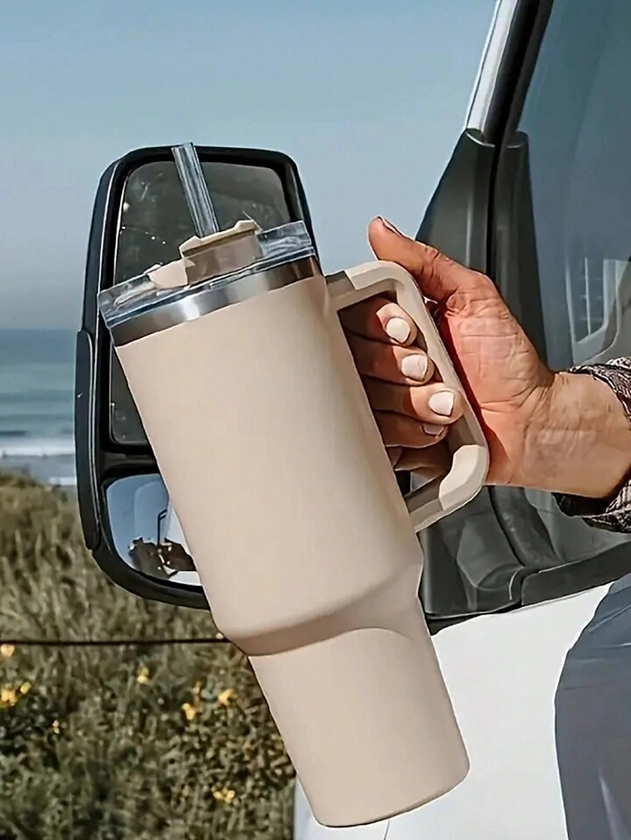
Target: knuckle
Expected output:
[435,261]
[376,359]
[383,362]
[432,254]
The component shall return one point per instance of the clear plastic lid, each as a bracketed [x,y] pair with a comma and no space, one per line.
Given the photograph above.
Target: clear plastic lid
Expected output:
[134,297]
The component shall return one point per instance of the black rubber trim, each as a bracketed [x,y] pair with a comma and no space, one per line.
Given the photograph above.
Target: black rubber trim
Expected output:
[571,578]
[84,449]
[456,220]
[513,256]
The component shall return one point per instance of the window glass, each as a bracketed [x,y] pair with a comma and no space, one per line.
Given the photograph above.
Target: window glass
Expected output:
[577,116]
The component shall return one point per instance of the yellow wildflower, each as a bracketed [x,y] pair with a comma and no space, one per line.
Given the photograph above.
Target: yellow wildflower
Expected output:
[56,727]
[25,687]
[143,675]
[190,710]
[224,795]
[8,697]
[226,696]
[6,651]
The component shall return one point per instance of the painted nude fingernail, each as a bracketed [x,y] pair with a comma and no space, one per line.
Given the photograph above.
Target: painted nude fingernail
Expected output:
[398,330]
[431,429]
[390,226]
[415,367]
[442,403]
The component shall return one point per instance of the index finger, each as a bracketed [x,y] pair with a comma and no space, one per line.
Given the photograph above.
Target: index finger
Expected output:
[380,319]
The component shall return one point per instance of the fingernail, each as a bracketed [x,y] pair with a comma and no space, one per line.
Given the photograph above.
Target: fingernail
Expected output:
[442,403]
[414,367]
[431,429]
[398,330]
[390,226]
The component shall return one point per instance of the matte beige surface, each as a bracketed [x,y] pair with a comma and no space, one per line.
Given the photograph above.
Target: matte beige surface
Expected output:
[271,455]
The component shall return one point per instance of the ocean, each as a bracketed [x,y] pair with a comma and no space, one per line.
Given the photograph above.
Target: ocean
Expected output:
[36,404]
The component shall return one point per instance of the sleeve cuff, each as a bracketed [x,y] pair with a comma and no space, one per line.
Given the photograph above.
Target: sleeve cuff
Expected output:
[613,513]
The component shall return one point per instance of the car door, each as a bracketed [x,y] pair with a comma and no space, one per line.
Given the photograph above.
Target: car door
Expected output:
[538,195]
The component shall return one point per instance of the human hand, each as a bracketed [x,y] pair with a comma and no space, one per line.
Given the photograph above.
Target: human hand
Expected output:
[504,378]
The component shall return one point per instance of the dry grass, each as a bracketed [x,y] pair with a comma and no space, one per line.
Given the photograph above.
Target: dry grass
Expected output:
[114,743]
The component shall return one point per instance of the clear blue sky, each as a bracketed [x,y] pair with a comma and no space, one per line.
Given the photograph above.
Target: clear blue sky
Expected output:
[368,97]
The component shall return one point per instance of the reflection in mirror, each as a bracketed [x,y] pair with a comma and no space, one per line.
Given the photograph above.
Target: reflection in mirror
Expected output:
[145,530]
[153,223]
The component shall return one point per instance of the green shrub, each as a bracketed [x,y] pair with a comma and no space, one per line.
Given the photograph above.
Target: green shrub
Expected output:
[115,743]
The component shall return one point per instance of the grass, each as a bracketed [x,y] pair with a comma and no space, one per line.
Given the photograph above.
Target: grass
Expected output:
[114,743]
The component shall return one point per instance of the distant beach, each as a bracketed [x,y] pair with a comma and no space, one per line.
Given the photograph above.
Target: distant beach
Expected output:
[36,404]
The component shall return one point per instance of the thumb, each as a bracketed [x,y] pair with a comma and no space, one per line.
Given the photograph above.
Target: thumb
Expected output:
[439,278]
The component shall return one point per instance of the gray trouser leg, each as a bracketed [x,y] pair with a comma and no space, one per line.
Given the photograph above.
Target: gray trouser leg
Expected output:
[593,740]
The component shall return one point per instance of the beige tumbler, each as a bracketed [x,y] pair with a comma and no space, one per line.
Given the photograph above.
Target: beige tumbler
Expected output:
[291,510]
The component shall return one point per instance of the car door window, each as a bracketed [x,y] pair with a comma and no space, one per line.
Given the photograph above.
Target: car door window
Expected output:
[577,119]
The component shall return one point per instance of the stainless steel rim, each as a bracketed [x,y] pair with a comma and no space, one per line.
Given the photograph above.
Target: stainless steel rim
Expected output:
[205,300]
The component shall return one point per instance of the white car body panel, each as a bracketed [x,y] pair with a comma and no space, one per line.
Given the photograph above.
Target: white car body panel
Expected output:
[502,672]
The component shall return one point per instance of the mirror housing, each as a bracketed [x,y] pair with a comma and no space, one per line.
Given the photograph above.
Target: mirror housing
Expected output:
[116,468]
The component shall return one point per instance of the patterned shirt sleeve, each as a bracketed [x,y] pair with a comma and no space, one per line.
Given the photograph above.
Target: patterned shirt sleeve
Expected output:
[612,514]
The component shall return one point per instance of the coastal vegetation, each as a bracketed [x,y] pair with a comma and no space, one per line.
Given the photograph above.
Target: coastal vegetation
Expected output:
[137,740]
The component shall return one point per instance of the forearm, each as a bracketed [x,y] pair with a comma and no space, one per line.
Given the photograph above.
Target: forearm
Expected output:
[580,442]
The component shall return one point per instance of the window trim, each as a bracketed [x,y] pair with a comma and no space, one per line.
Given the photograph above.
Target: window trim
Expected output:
[511,50]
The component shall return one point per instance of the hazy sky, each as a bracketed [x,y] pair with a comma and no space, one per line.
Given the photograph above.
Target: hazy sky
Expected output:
[367,97]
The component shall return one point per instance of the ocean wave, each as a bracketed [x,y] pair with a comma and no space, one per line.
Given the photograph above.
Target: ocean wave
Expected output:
[63,480]
[37,448]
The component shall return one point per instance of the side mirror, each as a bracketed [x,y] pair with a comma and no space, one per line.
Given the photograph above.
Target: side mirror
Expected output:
[140,218]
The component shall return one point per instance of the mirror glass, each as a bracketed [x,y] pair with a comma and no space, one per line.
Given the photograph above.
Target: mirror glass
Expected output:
[145,529]
[153,223]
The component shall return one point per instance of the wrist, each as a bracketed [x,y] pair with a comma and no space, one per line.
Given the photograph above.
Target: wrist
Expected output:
[578,440]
